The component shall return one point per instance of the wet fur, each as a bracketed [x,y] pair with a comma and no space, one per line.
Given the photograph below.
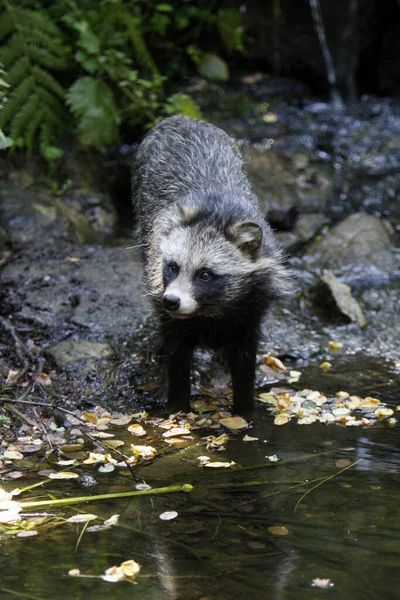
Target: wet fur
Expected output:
[196,207]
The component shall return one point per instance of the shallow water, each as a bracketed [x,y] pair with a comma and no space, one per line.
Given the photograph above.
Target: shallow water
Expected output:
[341,518]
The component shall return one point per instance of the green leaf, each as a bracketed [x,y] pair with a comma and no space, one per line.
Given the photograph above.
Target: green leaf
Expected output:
[90,42]
[212,67]
[93,104]
[5,142]
[182,104]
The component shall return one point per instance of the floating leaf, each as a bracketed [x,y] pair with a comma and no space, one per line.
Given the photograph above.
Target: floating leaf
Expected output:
[145,452]
[322,583]
[25,534]
[219,465]
[168,515]
[383,413]
[176,431]
[272,458]
[369,402]
[248,438]
[343,462]
[281,420]
[234,423]
[278,530]
[113,520]
[137,430]
[127,570]
[63,475]
[122,420]
[81,518]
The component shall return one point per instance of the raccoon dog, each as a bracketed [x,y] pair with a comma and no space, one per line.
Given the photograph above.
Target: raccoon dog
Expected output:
[211,264]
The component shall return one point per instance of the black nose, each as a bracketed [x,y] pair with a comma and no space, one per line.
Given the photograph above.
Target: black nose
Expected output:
[171,303]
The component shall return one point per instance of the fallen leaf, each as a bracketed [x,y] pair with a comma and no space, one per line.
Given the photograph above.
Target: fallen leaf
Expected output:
[276,364]
[113,520]
[43,379]
[278,530]
[281,420]
[272,458]
[325,366]
[176,431]
[369,402]
[81,518]
[63,475]
[136,430]
[122,420]
[234,423]
[322,583]
[248,438]
[383,413]
[220,465]
[13,455]
[335,345]
[145,452]
[343,462]
[168,515]
[25,534]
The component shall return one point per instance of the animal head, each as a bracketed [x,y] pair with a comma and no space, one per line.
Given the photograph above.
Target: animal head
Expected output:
[210,266]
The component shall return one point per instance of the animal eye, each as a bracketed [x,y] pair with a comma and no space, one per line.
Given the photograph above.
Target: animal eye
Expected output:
[173,267]
[205,275]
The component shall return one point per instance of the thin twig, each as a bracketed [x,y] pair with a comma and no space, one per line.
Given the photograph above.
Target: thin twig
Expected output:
[324,480]
[68,501]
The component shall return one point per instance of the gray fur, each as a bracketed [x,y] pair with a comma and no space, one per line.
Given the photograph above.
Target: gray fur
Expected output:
[179,164]
[211,264]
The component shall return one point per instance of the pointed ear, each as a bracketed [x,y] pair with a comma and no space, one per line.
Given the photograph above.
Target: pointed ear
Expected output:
[186,214]
[247,236]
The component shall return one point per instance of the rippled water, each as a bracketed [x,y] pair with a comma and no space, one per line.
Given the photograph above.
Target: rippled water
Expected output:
[334,493]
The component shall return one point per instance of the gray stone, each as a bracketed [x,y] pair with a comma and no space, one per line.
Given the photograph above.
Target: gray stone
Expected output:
[282,182]
[359,237]
[76,350]
[331,292]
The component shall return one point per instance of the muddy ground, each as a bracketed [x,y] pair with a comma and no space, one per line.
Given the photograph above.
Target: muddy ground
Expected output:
[72,305]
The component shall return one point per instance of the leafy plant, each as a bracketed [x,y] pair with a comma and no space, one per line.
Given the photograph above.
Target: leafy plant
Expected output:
[32,49]
[94,65]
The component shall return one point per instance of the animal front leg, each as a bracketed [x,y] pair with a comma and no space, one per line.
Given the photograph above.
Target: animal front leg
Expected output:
[178,371]
[242,363]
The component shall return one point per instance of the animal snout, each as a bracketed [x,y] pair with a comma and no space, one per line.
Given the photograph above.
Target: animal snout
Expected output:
[171,303]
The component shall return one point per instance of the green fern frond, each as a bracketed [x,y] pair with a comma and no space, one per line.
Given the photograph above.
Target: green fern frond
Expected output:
[11,50]
[16,99]
[6,26]
[139,45]
[23,116]
[32,130]
[32,48]
[33,20]
[18,71]
[48,81]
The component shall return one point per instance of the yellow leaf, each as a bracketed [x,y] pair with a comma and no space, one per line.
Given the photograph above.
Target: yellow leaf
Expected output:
[325,366]
[278,530]
[275,364]
[234,423]
[335,345]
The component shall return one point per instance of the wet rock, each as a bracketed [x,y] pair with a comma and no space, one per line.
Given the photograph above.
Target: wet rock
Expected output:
[360,237]
[309,225]
[282,182]
[76,350]
[336,297]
